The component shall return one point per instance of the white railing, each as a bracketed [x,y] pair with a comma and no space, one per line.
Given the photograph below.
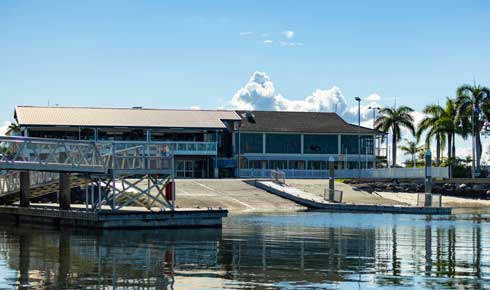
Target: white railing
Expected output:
[42,154]
[177,147]
[437,172]
[10,180]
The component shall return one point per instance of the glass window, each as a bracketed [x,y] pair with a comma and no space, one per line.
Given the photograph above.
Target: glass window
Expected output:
[349,144]
[317,165]
[249,142]
[296,164]
[321,144]
[283,143]
[277,164]
[367,145]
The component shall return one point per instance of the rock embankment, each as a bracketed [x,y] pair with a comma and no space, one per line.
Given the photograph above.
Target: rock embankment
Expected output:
[467,190]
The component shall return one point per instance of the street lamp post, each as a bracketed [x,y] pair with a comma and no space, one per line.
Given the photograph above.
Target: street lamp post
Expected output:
[359,135]
[376,144]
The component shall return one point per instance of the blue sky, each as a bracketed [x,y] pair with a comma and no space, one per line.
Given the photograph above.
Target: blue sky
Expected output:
[180,54]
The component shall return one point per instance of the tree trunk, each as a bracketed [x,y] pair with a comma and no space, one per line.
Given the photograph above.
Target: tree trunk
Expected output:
[449,153]
[478,152]
[393,145]
[438,150]
[454,145]
[413,160]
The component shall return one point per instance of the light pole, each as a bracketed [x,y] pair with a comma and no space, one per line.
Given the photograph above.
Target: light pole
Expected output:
[376,143]
[359,135]
[374,108]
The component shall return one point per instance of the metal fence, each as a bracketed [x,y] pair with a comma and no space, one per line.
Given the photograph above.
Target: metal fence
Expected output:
[375,173]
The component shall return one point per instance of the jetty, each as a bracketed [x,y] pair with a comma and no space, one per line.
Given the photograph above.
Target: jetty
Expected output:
[114,175]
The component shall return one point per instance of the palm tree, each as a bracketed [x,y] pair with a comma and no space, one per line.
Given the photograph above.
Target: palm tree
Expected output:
[394,119]
[411,149]
[433,129]
[452,125]
[12,129]
[472,100]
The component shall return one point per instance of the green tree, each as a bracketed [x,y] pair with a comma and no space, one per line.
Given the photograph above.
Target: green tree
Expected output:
[394,119]
[412,148]
[12,129]
[431,126]
[471,101]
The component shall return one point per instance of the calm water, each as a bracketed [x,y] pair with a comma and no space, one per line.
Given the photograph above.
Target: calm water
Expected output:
[303,250]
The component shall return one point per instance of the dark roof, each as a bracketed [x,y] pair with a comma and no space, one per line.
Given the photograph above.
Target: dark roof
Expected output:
[307,122]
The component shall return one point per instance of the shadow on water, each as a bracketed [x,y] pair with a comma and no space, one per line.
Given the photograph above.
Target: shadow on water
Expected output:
[306,250]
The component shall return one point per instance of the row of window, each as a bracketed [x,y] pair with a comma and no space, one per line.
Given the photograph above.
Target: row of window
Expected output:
[300,164]
[313,144]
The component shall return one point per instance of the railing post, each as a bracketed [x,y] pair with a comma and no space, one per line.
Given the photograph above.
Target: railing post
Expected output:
[331,179]
[25,188]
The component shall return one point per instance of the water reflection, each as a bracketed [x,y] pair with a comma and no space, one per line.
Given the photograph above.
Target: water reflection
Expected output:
[317,250]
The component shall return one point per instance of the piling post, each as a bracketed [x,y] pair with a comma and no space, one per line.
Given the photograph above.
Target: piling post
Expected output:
[65,190]
[428,178]
[331,179]
[25,188]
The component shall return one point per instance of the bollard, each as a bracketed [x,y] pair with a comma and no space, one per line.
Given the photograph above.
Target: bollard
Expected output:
[331,179]
[428,178]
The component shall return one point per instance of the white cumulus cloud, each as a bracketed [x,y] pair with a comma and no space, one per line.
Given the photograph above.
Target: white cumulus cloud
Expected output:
[259,94]
[288,34]
[195,108]
[373,97]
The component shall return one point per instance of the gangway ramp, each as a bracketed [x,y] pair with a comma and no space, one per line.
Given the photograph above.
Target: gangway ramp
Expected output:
[42,183]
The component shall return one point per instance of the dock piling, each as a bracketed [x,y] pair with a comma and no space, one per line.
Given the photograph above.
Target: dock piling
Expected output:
[65,190]
[25,188]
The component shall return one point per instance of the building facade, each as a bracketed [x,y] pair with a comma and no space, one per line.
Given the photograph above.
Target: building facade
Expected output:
[216,143]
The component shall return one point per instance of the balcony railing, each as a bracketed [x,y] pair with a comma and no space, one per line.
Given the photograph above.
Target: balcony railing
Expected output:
[179,148]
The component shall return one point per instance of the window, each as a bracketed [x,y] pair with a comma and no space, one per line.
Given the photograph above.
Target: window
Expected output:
[321,144]
[283,143]
[367,145]
[349,144]
[296,164]
[317,165]
[249,142]
[277,164]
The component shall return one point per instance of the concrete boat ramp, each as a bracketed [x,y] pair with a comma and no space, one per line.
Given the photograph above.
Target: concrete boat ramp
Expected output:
[315,202]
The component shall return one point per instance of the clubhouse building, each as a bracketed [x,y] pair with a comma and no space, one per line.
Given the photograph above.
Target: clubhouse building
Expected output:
[217,143]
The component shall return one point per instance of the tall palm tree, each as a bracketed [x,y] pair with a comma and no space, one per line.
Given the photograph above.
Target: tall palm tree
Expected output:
[394,119]
[411,148]
[433,129]
[452,125]
[472,100]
